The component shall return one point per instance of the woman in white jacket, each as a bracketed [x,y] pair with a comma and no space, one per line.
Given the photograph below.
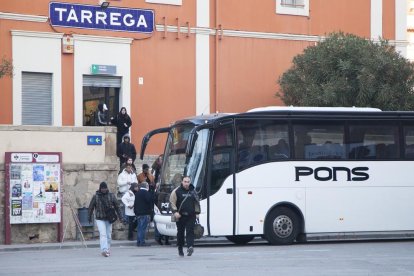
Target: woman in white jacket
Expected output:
[125,178]
[128,199]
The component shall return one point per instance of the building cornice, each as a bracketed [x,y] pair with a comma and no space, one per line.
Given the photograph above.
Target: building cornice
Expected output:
[23,17]
[277,36]
[36,34]
[244,34]
[106,39]
[170,29]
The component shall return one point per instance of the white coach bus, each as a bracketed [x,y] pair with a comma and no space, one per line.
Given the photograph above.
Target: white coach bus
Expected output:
[287,174]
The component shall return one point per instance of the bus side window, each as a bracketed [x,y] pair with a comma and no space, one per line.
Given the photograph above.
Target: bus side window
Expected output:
[302,143]
[409,142]
[279,151]
[261,141]
[258,154]
[373,141]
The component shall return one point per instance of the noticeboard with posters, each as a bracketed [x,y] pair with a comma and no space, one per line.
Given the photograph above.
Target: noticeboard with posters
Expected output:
[33,187]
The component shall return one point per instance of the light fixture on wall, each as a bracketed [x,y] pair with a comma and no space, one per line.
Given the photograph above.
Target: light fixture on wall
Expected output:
[104,4]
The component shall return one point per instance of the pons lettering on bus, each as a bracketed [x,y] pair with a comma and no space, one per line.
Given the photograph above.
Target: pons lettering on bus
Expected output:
[94,17]
[332,174]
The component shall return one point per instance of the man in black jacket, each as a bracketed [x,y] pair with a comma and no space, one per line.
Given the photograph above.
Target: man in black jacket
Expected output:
[126,149]
[144,201]
[186,208]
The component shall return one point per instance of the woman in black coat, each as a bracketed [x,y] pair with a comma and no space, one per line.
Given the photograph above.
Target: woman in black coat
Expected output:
[123,122]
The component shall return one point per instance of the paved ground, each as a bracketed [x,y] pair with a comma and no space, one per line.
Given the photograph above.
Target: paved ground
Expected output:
[213,257]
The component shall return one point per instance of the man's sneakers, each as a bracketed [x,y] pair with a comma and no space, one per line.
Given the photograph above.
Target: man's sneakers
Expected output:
[106,253]
[190,251]
[180,251]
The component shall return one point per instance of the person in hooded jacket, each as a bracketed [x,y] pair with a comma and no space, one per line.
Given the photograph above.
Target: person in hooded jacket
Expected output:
[101,115]
[102,200]
[125,150]
[123,122]
[186,208]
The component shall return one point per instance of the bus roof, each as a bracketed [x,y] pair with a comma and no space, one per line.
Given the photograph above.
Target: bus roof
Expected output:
[302,112]
[202,119]
[314,108]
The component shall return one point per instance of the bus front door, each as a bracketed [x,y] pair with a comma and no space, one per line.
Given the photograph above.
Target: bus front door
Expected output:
[221,186]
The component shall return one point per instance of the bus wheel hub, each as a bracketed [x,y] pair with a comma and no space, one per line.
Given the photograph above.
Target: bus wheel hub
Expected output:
[283,226]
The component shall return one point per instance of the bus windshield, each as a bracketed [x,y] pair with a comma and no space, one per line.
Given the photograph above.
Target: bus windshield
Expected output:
[175,166]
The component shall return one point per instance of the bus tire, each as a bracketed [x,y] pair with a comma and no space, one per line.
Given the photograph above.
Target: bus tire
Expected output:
[282,226]
[240,239]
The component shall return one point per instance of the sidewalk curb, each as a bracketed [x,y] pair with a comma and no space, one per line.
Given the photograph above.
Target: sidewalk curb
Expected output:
[54,246]
[95,244]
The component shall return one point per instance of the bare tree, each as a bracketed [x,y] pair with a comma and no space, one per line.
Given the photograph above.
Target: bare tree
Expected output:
[6,68]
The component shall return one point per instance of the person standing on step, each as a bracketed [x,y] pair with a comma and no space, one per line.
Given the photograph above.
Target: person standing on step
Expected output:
[125,179]
[144,200]
[123,122]
[125,150]
[128,199]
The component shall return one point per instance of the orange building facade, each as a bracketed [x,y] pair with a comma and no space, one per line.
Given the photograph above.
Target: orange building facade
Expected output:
[202,56]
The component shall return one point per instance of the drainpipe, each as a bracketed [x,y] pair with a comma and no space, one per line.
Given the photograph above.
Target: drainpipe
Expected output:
[216,106]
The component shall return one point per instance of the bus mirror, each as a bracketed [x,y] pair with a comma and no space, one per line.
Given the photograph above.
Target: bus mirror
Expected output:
[144,143]
[192,139]
[148,136]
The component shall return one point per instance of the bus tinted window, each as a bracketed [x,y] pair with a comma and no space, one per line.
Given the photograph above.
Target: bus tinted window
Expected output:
[371,141]
[221,158]
[409,142]
[319,141]
[261,141]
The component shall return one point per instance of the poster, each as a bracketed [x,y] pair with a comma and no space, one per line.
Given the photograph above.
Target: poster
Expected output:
[16,209]
[34,188]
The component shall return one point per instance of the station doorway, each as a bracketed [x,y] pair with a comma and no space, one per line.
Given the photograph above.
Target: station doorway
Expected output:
[97,90]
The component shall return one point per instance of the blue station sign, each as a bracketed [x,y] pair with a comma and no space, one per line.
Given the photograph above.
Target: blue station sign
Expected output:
[94,140]
[94,17]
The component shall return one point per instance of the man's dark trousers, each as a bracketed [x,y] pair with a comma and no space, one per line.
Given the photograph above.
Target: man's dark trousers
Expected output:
[186,223]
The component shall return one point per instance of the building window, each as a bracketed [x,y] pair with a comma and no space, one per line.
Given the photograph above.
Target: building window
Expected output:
[292,3]
[293,7]
[167,2]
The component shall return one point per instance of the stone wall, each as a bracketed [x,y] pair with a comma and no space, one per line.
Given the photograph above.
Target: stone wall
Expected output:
[80,179]
[80,182]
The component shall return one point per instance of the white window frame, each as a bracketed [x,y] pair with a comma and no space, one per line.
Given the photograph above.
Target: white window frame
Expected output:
[292,10]
[32,59]
[166,2]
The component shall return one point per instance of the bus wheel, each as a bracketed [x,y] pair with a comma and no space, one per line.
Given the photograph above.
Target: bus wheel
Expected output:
[282,226]
[240,239]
